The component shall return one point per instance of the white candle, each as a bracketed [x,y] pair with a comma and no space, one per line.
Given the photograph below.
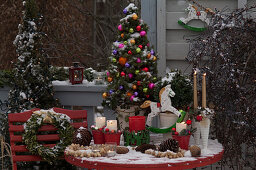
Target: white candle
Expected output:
[111,153]
[112,125]
[181,126]
[204,91]
[100,122]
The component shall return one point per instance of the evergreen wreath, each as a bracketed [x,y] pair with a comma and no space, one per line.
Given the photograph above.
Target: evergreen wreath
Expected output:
[42,117]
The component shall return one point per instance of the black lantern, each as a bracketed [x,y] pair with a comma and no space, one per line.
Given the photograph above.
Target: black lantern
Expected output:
[76,73]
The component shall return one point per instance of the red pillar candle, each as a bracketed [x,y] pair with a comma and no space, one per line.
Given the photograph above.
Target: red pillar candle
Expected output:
[137,123]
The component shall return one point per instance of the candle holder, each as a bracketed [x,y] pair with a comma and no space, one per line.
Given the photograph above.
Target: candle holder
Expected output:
[76,74]
[110,147]
[96,148]
[99,78]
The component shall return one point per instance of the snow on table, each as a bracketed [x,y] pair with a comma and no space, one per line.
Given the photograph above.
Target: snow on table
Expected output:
[133,157]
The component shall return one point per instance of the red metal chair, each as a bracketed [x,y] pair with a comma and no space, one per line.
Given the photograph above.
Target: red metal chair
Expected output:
[16,129]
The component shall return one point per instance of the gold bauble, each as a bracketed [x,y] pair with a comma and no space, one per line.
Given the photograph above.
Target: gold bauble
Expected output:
[105,95]
[134,87]
[134,16]
[154,58]
[132,41]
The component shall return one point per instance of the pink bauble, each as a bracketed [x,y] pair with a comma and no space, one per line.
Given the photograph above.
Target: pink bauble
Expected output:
[142,33]
[148,44]
[130,75]
[108,74]
[131,98]
[120,28]
[122,74]
[151,85]
[138,60]
[121,46]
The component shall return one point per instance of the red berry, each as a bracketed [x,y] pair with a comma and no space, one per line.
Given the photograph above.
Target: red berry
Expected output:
[112,131]
[189,122]
[140,46]
[106,129]
[138,28]
[176,133]
[189,132]
[174,129]
[100,129]
[199,118]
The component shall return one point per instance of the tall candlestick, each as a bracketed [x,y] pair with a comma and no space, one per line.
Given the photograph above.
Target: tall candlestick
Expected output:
[204,91]
[195,91]
[100,122]
[112,125]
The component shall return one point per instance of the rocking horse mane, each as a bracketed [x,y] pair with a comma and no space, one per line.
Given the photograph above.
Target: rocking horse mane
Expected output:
[193,6]
[161,92]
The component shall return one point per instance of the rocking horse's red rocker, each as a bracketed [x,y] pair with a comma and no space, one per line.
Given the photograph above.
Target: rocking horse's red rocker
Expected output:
[16,130]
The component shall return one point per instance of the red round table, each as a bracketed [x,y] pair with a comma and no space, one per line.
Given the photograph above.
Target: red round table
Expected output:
[138,162]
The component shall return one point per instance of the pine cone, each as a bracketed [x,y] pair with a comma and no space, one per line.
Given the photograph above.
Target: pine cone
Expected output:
[195,151]
[122,150]
[142,148]
[82,136]
[169,144]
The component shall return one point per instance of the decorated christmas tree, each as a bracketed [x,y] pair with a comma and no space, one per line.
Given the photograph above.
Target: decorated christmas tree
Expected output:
[31,86]
[132,72]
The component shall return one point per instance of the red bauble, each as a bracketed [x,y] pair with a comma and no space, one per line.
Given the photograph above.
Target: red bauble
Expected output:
[145,69]
[140,46]
[199,118]
[176,133]
[189,122]
[174,129]
[122,74]
[138,28]
[106,130]
[138,83]
[147,96]
[130,52]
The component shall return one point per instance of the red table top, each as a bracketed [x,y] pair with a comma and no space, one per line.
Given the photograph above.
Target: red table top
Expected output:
[197,162]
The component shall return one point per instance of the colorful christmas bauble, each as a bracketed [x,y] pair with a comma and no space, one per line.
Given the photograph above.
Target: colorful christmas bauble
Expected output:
[122,35]
[134,87]
[138,28]
[125,11]
[138,83]
[111,91]
[138,50]
[121,87]
[131,30]
[145,69]
[149,55]
[134,16]
[130,52]
[154,58]
[130,75]
[154,79]
[108,74]
[127,65]
[122,74]
[122,60]
[132,41]
[151,85]
[148,44]
[138,60]
[140,46]
[131,98]
[105,95]
[152,52]
[113,60]
[120,28]
[125,42]
[147,96]
[136,93]
[145,90]
[110,79]
[129,94]
[121,46]
[143,33]
[137,71]
[114,52]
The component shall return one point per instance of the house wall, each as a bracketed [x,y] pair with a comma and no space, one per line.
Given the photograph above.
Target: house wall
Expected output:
[172,39]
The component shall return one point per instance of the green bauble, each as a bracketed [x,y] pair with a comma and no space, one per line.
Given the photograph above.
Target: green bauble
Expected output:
[154,79]
[113,60]
[138,50]
[131,30]
[125,42]
[145,90]
[137,71]
[117,74]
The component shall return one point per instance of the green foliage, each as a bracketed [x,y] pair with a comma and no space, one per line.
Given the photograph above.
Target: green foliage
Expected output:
[88,74]
[182,87]
[59,73]
[5,77]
